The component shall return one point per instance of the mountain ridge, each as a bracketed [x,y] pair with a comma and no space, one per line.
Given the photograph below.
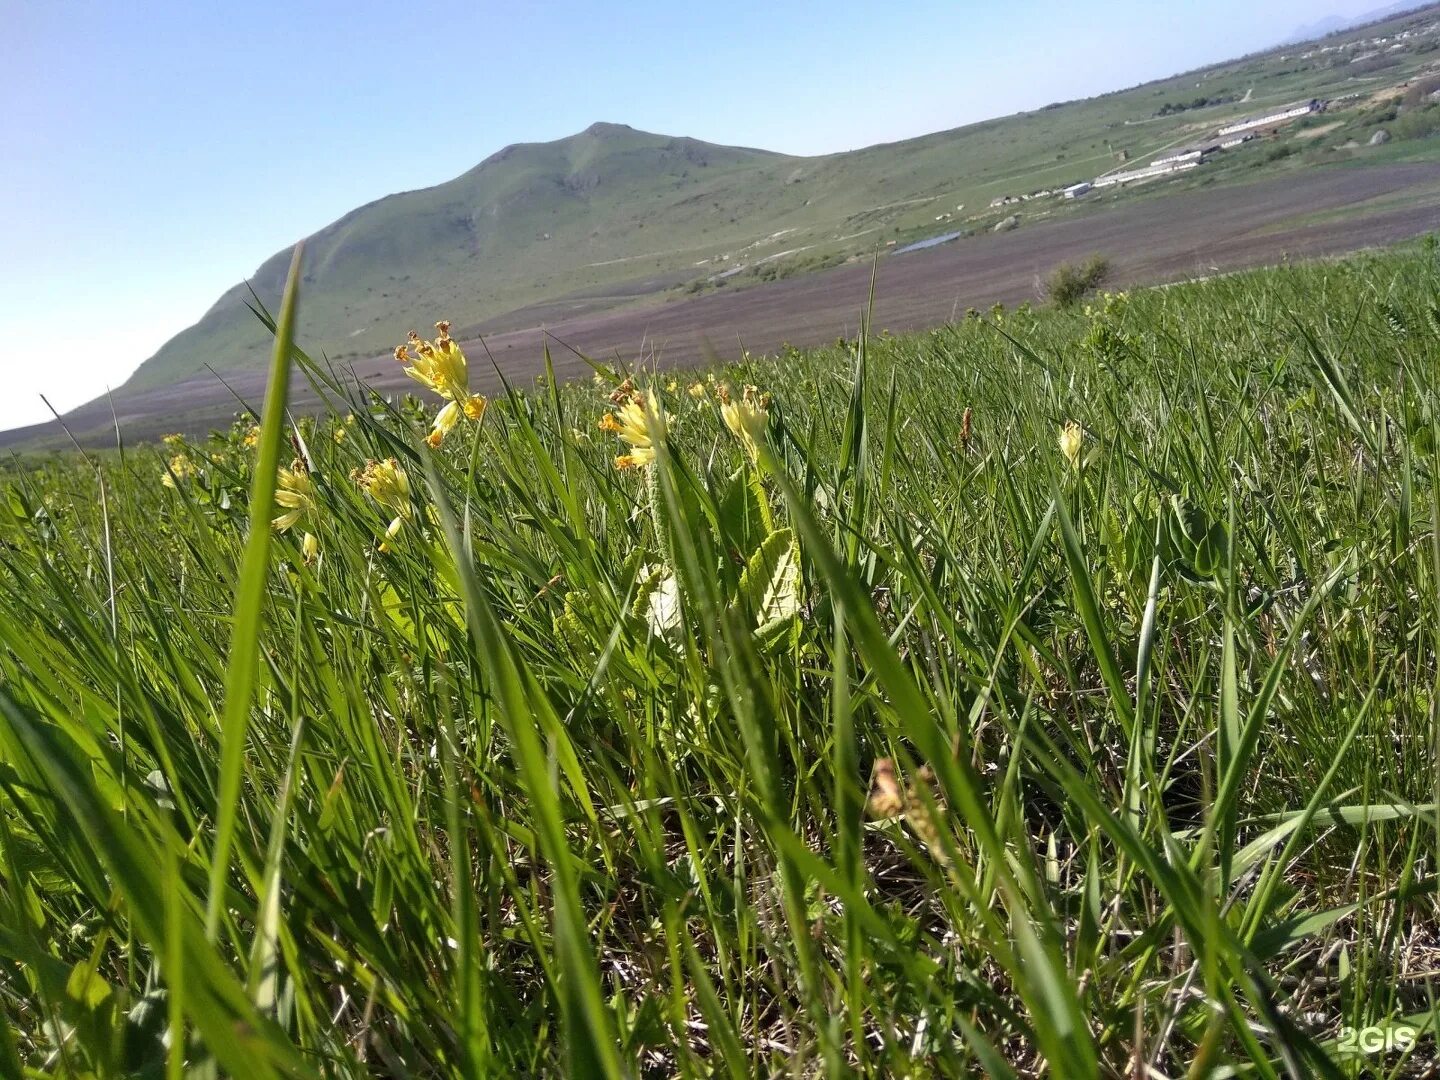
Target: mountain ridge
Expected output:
[1337,24]
[489,206]
[614,215]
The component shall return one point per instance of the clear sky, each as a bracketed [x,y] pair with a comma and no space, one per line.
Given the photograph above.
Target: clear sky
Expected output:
[158,152]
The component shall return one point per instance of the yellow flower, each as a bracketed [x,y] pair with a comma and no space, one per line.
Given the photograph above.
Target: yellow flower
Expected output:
[252,437]
[440,366]
[310,548]
[295,491]
[1071,437]
[386,483]
[174,439]
[633,422]
[181,468]
[748,419]
[696,390]
[445,421]
[672,386]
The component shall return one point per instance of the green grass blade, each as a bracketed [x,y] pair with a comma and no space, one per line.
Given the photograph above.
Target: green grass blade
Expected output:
[250,602]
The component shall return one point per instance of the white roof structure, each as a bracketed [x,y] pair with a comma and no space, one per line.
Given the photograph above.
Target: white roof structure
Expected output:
[1288,112]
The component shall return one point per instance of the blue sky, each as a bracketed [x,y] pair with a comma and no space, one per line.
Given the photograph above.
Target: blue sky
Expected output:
[157,153]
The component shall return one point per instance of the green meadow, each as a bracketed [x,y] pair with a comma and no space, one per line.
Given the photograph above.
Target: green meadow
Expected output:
[1049,694]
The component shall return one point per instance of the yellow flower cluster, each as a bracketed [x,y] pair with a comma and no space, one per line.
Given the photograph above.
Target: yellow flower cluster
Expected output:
[440,366]
[1111,304]
[386,483]
[638,420]
[295,491]
[748,418]
[181,468]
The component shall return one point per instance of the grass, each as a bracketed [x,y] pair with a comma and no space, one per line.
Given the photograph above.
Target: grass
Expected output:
[893,742]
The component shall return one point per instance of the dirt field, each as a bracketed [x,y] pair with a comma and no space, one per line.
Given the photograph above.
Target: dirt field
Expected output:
[1150,240]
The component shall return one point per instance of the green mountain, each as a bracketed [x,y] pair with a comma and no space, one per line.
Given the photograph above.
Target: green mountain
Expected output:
[534,220]
[614,216]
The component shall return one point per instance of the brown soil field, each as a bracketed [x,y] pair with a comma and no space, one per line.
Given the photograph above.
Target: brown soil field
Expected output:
[1149,240]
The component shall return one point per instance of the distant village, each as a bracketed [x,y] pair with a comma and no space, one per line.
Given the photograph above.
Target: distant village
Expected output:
[1354,51]
[1369,48]
[1181,159]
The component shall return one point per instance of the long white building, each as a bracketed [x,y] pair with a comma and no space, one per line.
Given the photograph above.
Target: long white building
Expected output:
[1147,173]
[1280,116]
[1195,152]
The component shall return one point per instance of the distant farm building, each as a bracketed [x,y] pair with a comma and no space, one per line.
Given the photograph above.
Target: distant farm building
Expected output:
[1270,119]
[1198,152]
[1181,159]
[1176,157]
[1150,172]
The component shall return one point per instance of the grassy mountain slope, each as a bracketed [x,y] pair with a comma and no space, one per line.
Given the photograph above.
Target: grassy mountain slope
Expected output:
[527,220]
[613,213]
